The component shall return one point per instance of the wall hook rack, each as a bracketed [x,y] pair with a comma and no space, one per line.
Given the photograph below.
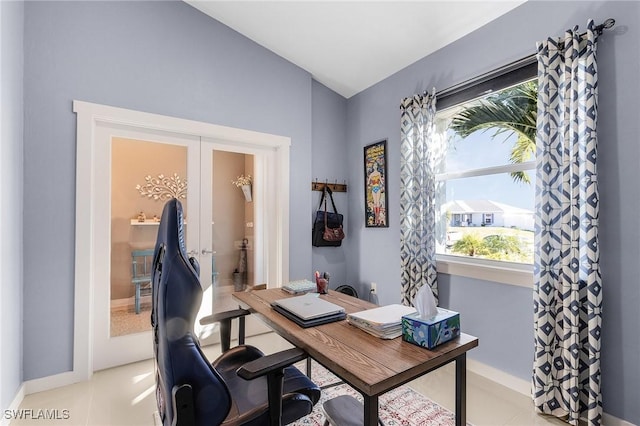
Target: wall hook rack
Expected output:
[335,187]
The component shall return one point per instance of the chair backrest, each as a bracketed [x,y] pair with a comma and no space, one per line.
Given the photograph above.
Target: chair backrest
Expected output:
[141,264]
[181,367]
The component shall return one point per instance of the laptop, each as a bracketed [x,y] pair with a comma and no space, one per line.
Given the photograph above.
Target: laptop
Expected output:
[309,310]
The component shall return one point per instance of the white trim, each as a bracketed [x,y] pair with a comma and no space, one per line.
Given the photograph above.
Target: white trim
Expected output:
[609,420]
[15,404]
[89,116]
[516,274]
[494,170]
[52,382]
[83,294]
[163,123]
[505,379]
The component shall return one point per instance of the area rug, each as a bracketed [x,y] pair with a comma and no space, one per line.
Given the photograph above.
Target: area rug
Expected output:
[402,406]
[124,322]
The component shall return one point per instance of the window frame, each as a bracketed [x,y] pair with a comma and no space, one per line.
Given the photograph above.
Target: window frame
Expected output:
[504,272]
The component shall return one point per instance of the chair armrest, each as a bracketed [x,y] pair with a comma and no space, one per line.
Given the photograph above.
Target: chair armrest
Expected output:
[271,363]
[273,367]
[222,316]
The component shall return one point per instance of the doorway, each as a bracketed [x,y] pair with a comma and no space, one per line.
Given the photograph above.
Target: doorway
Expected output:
[144,175]
[195,147]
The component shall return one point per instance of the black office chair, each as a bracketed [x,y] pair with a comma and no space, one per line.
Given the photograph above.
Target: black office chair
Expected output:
[243,386]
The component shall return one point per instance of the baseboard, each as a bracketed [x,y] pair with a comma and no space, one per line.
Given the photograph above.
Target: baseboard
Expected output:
[524,387]
[15,404]
[121,304]
[609,420]
[50,382]
[505,379]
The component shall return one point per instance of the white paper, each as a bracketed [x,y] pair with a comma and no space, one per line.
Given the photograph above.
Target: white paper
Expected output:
[383,316]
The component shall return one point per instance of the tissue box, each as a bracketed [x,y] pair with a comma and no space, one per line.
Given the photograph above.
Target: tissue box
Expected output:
[432,331]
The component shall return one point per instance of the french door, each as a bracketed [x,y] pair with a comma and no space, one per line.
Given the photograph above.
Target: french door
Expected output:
[139,165]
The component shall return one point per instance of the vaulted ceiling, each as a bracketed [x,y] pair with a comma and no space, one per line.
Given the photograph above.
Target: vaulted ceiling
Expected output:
[351,45]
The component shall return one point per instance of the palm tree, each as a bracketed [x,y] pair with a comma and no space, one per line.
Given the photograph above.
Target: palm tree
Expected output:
[512,110]
[499,245]
[470,245]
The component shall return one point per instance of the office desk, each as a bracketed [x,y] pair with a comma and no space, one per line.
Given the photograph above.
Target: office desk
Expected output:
[370,365]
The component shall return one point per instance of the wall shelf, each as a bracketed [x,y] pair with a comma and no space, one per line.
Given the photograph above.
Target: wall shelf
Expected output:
[134,222]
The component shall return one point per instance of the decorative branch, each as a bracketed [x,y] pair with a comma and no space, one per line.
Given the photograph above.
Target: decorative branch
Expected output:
[163,188]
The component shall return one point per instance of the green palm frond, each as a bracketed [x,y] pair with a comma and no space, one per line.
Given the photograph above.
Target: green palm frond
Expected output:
[522,151]
[512,110]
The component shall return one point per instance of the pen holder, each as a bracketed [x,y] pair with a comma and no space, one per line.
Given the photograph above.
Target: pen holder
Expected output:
[322,285]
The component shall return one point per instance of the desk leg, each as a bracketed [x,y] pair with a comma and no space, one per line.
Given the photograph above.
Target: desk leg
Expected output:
[461,390]
[370,410]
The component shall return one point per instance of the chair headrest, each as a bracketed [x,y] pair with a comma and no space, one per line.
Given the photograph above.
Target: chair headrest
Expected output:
[171,233]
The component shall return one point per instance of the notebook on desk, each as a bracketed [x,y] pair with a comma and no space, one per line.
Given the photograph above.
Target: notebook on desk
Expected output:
[309,310]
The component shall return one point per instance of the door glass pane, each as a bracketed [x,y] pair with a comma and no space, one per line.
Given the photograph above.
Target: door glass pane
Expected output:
[233,265]
[143,175]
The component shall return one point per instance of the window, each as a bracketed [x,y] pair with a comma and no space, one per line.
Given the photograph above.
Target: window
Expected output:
[486,182]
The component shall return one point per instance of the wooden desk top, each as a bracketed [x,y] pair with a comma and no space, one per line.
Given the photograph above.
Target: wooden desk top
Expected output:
[369,364]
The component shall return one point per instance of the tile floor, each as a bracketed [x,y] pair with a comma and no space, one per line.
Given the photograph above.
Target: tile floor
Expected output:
[125,396]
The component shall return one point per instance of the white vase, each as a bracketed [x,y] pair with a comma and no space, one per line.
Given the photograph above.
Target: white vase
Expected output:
[246,189]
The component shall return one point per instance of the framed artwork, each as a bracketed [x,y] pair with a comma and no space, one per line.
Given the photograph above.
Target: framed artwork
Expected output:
[375,185]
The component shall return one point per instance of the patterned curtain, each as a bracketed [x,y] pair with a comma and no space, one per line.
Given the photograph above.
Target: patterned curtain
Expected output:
[567,288]
[420,151]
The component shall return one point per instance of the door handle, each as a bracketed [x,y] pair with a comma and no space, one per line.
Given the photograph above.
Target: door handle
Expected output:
[205,251]
[192,253]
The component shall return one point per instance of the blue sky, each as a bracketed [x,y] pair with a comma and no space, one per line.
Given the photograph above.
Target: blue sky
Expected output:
[480,150]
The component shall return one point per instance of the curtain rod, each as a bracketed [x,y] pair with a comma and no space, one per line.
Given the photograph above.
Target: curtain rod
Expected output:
[519,64]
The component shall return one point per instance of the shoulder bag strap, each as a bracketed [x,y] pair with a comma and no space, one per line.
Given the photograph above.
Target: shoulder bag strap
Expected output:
[332,202]
[324,191]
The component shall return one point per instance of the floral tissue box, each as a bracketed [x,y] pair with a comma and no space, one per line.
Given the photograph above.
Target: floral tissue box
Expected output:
[432,331]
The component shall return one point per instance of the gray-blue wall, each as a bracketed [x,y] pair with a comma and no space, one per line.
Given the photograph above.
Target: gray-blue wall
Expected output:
[11,127]
[329,162]
[167,58]
[160,57]
[500,315]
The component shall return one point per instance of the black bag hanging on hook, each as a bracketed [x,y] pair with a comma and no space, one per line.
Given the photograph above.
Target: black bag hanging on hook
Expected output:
[327,226]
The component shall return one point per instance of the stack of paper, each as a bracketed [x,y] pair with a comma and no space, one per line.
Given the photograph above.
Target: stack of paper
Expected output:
[299,287]
[384,322]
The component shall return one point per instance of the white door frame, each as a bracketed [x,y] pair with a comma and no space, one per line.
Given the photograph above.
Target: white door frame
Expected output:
[276,185]
[111,351]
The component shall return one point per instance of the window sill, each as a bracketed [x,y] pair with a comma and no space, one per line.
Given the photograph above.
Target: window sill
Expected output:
[501,272]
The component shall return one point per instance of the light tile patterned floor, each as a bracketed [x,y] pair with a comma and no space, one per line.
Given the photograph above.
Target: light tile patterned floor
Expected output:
[125,396]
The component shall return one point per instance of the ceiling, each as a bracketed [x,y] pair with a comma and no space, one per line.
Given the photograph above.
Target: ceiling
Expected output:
[351,45]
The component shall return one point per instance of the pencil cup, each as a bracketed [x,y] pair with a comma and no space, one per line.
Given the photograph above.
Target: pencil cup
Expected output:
[322,285]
